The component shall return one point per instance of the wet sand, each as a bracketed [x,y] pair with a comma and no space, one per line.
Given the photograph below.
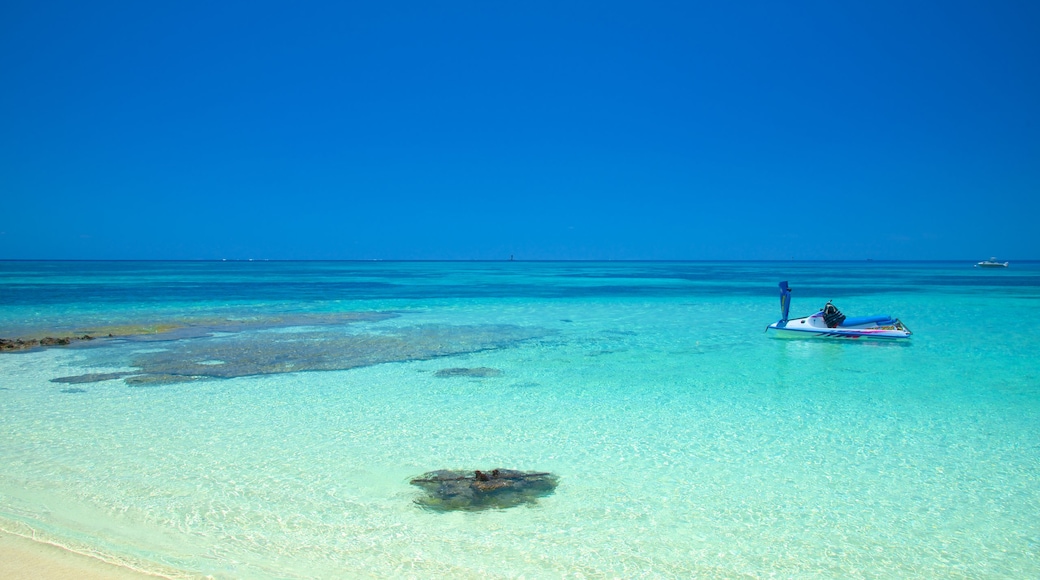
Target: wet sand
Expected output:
[24,559]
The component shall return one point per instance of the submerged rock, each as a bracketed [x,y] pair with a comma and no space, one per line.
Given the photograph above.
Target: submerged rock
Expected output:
[90,378]
[479,372]
[448,490]
[159,380]
[73,390]
[182,328]
[16,344]
[262,354]
[222,349]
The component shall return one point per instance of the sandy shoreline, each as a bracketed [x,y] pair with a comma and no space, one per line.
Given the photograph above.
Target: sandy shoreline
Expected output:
[24,559]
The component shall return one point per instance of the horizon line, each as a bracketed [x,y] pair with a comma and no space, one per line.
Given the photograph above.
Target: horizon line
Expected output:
[561,260]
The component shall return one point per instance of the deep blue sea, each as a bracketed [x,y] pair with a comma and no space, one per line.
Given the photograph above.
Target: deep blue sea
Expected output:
[264,419]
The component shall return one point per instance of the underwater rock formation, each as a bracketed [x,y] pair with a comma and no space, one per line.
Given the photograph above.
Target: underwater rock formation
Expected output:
[89,378]
[159,380]
[201,349]
[247,354]
[448,490]
[186,327]
[16,344]
[479,372]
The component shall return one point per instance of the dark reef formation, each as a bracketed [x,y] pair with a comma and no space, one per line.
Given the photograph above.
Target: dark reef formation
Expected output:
[478,372]
[181,328]
[89,378]
[160,380]
[16,344]
[298,343]
[245,355]
[448,490]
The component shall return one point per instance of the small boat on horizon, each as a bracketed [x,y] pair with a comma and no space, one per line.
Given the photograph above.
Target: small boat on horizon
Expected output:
[991,263]
[829,322]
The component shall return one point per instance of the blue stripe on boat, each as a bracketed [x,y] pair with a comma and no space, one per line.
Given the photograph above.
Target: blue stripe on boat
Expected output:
[881,319]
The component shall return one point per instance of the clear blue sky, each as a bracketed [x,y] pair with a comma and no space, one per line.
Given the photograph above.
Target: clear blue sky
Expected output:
[545,130]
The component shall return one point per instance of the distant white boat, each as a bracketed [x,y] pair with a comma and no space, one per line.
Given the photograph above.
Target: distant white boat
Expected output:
[991,263]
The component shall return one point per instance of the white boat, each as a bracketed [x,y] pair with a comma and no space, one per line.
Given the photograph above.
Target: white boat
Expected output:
[991,263]
[829,322]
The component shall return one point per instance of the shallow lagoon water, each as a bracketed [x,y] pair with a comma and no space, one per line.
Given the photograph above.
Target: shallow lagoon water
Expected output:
[686,441]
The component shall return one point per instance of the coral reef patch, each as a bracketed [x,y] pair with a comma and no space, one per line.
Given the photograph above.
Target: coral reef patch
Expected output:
[17,344]
[479,372]
[182,328]
[448,490]
[89,378]
[248,354]
[198,349]
[159,380]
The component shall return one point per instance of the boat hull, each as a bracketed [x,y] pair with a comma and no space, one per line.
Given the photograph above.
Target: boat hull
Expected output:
[813,327]
[839,334]
[991,263]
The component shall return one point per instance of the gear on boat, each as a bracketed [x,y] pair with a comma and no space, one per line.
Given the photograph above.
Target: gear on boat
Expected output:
[832,316]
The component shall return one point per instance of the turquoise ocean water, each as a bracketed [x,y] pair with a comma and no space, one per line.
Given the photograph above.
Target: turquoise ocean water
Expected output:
[267,417]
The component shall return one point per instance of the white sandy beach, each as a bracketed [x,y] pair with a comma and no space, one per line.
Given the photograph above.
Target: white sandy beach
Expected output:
[24,559]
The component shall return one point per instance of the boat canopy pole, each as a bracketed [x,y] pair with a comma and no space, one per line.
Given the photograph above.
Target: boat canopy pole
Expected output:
[785,300]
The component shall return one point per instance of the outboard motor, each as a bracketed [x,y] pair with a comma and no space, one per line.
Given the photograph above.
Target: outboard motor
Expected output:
[832,316]
[785,300]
